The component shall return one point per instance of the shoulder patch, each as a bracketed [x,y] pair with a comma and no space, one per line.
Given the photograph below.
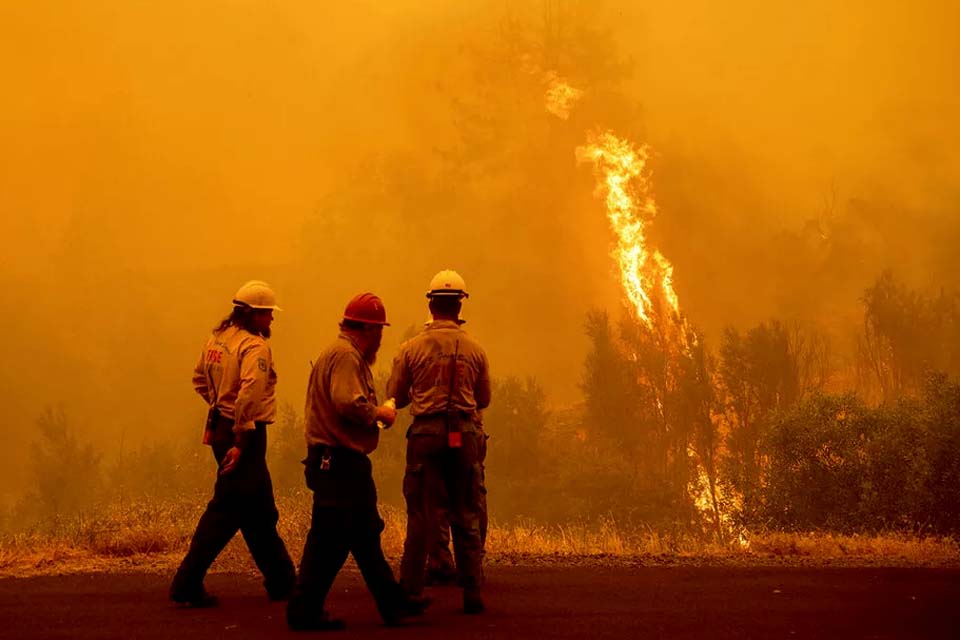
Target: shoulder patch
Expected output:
[262,364]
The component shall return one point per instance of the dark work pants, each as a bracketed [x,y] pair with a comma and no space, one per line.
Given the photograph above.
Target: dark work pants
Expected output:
[439,557]
[345,520]
[242,501]
[432,469]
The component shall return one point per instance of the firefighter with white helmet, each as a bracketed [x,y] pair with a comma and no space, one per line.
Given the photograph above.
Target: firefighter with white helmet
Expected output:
[341,427]
[440,565]
[443,375]
[237,379]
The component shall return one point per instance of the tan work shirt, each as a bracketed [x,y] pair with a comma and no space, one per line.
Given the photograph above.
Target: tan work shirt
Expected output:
[236,374]
[341,406]
[421,375]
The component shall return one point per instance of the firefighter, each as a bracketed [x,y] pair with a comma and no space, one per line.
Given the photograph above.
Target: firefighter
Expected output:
[236,378]
[441,570]
[443,374]
[341,427]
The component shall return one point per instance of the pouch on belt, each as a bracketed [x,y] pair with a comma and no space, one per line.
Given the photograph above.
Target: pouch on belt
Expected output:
[339,477]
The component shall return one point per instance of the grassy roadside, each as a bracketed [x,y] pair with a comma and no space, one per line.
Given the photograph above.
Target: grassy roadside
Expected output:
[154,537]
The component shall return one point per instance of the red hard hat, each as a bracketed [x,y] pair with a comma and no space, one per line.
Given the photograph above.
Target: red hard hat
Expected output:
[366,308]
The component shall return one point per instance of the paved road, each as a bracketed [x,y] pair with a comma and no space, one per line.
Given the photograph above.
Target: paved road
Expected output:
[524,602]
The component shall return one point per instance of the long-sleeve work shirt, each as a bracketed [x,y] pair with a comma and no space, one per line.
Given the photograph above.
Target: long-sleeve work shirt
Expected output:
[341,408]
[424,378]
[236,374]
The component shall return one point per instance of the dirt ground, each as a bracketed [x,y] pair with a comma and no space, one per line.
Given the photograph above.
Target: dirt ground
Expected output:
[524,602]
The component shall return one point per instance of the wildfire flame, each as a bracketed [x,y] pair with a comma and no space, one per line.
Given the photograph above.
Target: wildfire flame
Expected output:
[703,500]
[623,181]
[561,97]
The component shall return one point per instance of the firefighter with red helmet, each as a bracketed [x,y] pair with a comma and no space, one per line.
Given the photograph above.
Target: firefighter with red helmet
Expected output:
[236,378]
[443,375]
[340,424]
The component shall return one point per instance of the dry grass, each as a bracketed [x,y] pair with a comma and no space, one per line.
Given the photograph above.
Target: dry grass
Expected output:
[155,537]
[895,547]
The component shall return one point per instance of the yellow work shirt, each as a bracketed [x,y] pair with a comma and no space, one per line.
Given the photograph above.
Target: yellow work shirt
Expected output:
[422,372]
[236,374]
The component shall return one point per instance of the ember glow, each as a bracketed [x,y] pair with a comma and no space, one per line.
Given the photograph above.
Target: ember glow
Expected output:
[703,492]
[561,97]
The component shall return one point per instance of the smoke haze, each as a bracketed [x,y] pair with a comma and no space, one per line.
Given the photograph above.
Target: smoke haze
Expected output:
[157,155]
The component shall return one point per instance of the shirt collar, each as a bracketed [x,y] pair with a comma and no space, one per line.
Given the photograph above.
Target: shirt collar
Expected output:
[444,324]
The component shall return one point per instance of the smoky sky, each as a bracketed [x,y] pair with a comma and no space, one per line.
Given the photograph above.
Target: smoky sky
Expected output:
[156,155]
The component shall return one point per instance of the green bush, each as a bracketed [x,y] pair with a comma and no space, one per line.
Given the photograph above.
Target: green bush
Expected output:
[832,463]
[941,418]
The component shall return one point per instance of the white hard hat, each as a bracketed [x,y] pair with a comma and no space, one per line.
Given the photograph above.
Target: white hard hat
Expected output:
[256,294]
[448,283]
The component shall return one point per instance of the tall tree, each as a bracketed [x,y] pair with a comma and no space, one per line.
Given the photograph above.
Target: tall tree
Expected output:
[905,336]
[761,373]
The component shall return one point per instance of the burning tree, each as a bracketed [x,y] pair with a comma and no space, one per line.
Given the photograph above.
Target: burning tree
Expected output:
[659,364]
[656,404]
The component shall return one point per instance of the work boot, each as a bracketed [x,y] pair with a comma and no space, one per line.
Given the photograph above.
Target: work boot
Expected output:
[323,622]
[441,576]
[281,594]
[415,605]
[199,599]
[280,589]
[409,606]
[472,601]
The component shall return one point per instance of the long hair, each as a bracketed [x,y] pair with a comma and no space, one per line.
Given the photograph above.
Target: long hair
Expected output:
[241,316]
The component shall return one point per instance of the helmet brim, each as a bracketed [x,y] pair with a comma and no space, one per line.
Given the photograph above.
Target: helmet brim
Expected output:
[366,321]
[239,303]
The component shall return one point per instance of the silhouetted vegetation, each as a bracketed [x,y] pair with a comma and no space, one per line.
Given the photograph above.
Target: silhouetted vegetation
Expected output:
[66,471]
[669,435]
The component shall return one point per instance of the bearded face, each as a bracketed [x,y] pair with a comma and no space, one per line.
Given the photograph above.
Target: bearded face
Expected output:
[374,336]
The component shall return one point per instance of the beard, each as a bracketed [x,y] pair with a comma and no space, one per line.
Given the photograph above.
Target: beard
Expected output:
[371,357]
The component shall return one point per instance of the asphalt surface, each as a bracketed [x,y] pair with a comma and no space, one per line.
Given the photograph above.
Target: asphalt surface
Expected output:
[523,602]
